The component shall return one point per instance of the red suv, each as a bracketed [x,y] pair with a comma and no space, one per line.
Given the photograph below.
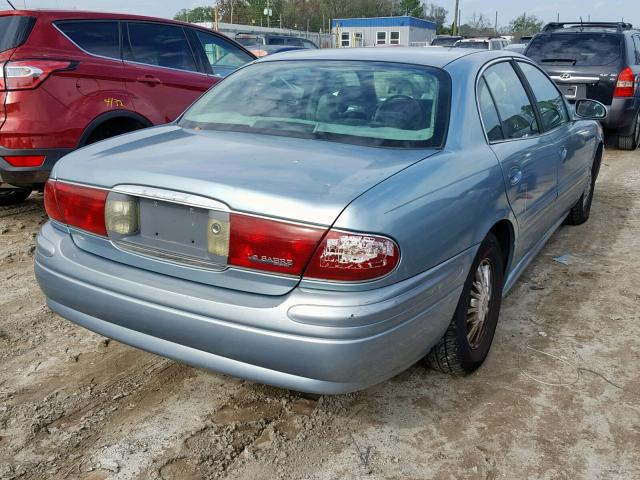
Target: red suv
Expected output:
[69,79]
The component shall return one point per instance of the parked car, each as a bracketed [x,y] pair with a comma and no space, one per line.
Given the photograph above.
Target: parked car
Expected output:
[252,41]
[264,50]
[445,40]
[496,43]
[516,47]
[73,78]
[599,61]
[306,225]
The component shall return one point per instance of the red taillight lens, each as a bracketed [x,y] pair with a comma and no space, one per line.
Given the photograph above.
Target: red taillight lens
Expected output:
[28,74]
[626,85]
[50,201]
[25,161]
[80,207]
[352,257]
[271,245]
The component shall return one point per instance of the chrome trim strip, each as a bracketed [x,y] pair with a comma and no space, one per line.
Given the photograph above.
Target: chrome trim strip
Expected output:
[163,255]
[171,197]
[572,79]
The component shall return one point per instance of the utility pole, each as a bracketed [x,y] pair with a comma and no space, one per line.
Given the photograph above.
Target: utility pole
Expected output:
[456,18]
[496,24]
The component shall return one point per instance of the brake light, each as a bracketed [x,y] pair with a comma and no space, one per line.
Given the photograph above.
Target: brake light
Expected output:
[76,206]
[25,161]
[29,74]
[625,87]
[353,257]
[271,245]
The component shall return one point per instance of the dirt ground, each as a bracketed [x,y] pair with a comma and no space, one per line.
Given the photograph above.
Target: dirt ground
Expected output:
[558,398]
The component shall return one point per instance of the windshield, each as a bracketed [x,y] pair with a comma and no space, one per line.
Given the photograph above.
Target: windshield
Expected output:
[444,42]
[479,44]
[580,49]
[367,103]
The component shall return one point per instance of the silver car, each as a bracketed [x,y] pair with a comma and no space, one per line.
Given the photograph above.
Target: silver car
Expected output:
[322,220]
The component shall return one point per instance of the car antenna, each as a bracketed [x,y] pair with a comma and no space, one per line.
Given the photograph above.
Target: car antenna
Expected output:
[11,4]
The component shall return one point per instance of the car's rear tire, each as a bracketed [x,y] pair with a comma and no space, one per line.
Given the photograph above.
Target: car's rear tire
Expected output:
[13,196]
[631,142]
[466,343]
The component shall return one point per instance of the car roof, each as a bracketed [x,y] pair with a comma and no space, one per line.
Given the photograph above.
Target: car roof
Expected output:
[435,57]
[53,15]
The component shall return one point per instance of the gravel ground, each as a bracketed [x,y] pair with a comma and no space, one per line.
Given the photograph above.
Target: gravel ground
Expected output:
[558,398]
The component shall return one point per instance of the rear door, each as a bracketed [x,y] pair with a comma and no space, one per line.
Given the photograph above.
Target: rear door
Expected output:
[529,159]
[583,64]
[163,73]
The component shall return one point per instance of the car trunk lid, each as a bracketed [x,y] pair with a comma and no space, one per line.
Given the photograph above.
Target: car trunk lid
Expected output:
[189,181]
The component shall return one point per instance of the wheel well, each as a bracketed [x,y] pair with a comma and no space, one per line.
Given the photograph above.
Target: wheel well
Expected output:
[503,231]
[110,126]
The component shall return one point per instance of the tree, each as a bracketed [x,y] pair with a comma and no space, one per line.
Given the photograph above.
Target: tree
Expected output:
[438,15]
[477,26]
[525,25]
[413,8]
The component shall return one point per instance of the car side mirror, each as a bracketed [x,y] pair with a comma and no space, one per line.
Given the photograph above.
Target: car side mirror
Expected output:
[590,109]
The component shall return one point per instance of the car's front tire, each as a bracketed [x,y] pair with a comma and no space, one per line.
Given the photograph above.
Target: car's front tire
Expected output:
[466,343]
[12,196]
[631,142]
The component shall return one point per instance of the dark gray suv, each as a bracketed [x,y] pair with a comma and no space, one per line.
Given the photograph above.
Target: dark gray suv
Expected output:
[600,61]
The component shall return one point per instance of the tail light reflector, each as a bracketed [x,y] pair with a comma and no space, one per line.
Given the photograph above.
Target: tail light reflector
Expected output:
[77,206]
[353,257]
[29,74]
[25,161]
[271,245]
[625,87]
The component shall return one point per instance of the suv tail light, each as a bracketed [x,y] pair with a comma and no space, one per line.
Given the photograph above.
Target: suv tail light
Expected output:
[625,87]
[77,206]
[25,160]
[246,241]
[29,74]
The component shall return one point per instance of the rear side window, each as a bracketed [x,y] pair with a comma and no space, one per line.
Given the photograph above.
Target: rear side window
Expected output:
[223,56]
[553,111]
[579,49]
[517,116]
[636,41]
[14,30]
[96,37]
[490,117]
[160,45]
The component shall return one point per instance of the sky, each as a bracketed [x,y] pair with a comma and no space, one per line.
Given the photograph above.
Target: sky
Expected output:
[547,10]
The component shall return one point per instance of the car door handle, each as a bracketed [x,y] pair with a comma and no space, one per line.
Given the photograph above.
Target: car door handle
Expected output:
[515,176]
[149,80]
[563,152]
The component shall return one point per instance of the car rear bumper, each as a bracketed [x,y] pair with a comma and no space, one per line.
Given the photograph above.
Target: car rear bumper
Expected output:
[308,340]
[622,115]
[29,176]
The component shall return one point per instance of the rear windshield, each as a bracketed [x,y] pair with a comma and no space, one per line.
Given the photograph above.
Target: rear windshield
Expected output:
[580,49]
[480,45]
[14,30]
[367,103]
[444,42]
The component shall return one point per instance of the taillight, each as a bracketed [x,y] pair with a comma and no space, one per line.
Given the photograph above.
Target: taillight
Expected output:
[77,206]
[29,74]
[353,257]
[625,87]
[271,245]
[25,161]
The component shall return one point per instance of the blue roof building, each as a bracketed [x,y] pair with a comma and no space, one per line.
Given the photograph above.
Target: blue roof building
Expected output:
[382,31]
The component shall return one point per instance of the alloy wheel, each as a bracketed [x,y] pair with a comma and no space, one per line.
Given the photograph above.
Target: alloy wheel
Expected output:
[479,303]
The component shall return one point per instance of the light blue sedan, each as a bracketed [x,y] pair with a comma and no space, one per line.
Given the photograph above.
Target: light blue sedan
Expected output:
[322,220]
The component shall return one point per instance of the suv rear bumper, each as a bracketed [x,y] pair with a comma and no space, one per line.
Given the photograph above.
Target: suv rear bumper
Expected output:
[29,177]
[622,115]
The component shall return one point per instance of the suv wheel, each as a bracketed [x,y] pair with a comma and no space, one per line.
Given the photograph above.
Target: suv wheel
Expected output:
[11,196]
[467,341]
[631,142]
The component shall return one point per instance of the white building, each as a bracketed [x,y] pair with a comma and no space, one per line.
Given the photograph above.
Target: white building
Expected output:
[370,32]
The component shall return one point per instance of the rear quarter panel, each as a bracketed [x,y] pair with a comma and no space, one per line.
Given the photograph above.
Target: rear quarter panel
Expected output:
[444,204]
